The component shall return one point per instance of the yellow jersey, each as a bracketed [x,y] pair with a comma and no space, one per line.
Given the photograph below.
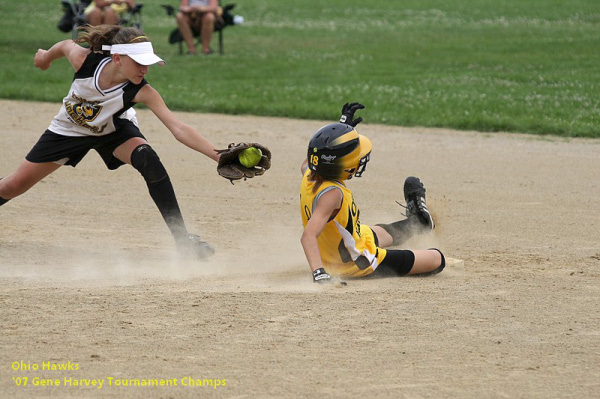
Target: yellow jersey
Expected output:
[347,248]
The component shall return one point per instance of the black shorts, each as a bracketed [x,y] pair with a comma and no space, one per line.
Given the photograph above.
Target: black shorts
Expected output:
[52,147]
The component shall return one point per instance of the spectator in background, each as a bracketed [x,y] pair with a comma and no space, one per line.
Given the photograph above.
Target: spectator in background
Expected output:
[107,12]
[197,16]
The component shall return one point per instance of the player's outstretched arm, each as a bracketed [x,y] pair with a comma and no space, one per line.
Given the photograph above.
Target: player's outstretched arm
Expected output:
[184,133]
[66,48]
[327,206]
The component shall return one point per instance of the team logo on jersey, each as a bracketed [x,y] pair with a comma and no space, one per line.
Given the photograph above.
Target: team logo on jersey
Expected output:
[83,112]
[88,111]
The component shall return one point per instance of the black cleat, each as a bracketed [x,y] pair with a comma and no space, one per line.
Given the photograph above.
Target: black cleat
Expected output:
[416,208]
[193,245]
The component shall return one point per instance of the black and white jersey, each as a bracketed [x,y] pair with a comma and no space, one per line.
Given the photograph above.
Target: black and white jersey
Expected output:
[90,111]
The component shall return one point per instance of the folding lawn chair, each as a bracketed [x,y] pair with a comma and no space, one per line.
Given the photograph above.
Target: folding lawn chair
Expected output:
[133,17]
[225,19]
[74,17]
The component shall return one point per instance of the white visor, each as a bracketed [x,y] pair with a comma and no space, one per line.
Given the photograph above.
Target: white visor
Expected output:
[142,53]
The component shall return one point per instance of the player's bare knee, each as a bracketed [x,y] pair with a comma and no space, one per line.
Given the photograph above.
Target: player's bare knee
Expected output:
[147,162]
[3,200]
[13,187]
[399,231]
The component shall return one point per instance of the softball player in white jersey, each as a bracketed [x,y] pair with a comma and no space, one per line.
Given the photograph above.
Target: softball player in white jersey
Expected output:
[97,114]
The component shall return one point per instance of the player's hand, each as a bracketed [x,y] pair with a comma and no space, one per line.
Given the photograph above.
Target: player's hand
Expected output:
[39,61]
[348,111]
[320,276]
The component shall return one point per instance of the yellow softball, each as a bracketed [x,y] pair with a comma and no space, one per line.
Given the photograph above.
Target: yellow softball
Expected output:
[250,157]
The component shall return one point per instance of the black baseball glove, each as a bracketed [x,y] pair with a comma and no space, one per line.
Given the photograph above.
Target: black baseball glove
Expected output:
[348,111]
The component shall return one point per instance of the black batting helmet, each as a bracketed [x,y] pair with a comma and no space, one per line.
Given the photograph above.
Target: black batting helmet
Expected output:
[338,152]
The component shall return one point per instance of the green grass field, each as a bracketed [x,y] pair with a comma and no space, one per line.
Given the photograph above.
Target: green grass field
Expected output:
[516,65]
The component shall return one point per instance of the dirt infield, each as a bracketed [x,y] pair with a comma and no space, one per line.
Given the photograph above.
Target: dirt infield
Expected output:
[89,275]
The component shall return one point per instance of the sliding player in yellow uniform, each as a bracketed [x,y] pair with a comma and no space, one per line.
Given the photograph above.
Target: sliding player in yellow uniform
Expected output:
[335,242]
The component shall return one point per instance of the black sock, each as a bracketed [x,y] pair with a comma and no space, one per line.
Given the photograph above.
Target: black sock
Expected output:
[164,197]
[147,162]
[400,231]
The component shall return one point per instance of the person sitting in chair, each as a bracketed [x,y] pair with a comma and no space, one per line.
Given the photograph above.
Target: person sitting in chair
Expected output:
[199,16]
[107,12]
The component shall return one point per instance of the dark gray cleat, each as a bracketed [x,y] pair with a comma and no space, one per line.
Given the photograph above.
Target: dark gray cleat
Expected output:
[193,245]
[416,208]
